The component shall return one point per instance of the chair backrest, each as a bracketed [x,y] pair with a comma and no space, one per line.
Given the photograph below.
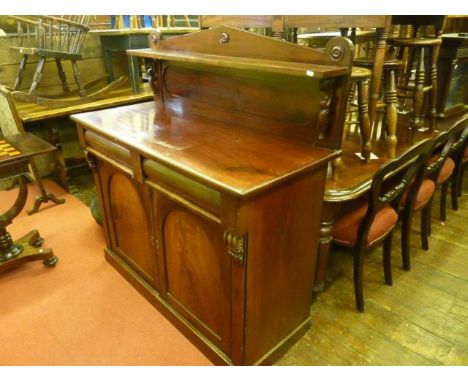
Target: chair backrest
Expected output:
[60,34]
[442,149]
[459,146]
[392,179]
[10,122]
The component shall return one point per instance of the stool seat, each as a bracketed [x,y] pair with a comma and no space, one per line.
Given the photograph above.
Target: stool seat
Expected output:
[414,42]
[358,73]
[387,64]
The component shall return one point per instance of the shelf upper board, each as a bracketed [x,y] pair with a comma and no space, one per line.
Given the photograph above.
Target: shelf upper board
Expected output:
[243,63]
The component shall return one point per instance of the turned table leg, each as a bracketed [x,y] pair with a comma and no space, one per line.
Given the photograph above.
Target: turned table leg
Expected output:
[324,247]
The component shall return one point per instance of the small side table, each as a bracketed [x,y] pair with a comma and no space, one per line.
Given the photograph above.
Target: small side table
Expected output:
[16,152]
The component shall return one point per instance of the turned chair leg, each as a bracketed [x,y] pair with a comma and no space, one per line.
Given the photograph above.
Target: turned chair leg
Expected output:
[454,190]
[443,200]
[20,74]
[37,75]
[358,281]
[387,259]
[76,75]
[425,225]
[63,78]
[405,239]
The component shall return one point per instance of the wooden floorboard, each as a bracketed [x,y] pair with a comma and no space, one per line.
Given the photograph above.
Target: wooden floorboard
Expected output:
[421,320]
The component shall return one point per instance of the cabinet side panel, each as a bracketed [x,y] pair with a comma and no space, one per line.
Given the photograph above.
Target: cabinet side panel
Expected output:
[283,231]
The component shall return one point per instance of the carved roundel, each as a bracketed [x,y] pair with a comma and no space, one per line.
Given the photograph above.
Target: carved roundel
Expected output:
[224,38]
[339,50]
[336,53]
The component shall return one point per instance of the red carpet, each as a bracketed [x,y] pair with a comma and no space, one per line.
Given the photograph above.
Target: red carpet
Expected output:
[82,312]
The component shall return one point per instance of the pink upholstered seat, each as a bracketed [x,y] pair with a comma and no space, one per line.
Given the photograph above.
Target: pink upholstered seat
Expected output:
[345,229]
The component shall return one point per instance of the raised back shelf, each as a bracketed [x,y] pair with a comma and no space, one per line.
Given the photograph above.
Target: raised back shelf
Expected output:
[252,81]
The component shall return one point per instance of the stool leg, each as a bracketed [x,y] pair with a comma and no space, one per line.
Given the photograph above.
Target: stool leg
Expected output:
[433,91]
[391,115]
[364,121]
[418,92]
[349,110]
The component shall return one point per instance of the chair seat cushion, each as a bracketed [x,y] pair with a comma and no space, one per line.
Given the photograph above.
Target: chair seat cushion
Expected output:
[345,229]
[446,170]
[425,192]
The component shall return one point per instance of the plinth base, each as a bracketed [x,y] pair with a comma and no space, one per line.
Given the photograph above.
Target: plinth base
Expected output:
[31,245]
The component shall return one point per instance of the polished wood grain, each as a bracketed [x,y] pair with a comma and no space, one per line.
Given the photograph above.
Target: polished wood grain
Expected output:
[197,277]
[253,72]
[206,150]
[129,222]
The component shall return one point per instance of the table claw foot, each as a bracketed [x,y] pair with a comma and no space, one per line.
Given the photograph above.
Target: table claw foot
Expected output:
[50,262]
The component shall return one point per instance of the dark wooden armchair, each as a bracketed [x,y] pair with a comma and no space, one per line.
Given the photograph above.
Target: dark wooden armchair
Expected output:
[373,221]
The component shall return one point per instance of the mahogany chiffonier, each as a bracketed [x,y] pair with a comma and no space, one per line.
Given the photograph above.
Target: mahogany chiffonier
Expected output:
[212,194]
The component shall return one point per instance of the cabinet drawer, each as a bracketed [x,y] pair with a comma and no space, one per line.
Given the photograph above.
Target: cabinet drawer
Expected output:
[108,148]
[192,190]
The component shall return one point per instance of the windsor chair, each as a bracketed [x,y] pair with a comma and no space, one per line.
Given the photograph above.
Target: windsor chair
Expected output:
[58,39]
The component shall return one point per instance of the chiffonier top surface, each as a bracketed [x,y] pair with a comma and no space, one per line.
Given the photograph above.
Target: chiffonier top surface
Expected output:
[240,161]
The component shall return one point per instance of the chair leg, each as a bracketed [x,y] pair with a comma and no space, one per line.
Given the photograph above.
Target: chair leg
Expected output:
[37,75]
[62,76]
[453,189]
[425,225]
[405,239]
[460,180]
[443,200]
[358,273]
[387,259]
[20,74]
[76,75]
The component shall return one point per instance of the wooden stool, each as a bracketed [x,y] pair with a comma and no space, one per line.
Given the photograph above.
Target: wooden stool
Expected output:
[425,79]
[388,101]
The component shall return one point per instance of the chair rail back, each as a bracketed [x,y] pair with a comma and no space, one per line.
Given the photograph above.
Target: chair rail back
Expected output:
[64,34]
[392,179]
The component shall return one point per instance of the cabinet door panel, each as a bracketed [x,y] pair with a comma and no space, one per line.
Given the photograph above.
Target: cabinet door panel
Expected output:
[130,224]
[198,270]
